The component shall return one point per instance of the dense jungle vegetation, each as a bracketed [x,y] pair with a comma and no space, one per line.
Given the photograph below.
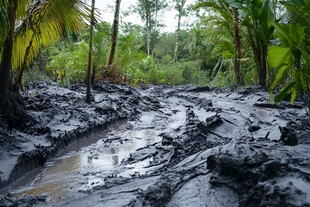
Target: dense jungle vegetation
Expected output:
[235,43]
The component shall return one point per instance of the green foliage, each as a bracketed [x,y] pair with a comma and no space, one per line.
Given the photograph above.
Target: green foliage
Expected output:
[165,46]
[279,56]
[250,76]
[68,64]
[148,11]
[257,17]
[291,57]
[44,23]
[37,70]
[101,45]
[171,74]
[292,60]
[129,50]
[226,78]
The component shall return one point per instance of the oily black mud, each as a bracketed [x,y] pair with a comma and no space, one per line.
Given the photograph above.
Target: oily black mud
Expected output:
[217,148]
[61,116]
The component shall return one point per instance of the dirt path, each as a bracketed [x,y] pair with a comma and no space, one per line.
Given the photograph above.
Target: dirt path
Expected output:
[189,146]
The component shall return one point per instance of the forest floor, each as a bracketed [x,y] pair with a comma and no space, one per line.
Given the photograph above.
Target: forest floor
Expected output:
[156,146]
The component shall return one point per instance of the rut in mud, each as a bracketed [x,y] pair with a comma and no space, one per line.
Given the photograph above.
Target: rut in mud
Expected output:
[179,146]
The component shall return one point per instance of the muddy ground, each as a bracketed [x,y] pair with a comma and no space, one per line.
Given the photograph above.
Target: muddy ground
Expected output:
[156,146]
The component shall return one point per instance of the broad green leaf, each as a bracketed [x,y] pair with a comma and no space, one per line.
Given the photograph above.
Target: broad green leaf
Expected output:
[284,92]
[297,33]
[266,14]
[281,75]
[278,56]
[290,34]
[299,83]
[283,34]
[293,96]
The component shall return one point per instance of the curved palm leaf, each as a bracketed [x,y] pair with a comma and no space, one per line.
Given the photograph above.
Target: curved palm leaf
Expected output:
[45,22]
[3,21]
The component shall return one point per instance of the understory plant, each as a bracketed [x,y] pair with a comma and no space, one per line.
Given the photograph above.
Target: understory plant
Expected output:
[291,56]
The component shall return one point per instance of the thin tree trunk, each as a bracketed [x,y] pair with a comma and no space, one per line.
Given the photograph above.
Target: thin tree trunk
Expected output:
[177,39]
[217,68]
[88,82]
[114,33]
[147,24]
[6,59]
[238,46]
[177,32]
[148,35]
[155,29]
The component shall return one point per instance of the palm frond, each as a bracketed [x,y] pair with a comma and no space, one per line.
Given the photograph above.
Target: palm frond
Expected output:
[46,22]
[22,7]
[3,21]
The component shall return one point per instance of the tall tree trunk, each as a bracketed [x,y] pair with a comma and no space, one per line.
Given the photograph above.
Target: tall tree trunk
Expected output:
[114,33]
[88,81]
[6,59]
[238,47]
[148,26]
[154,33]
[177,32]
[177,40]
[148,35]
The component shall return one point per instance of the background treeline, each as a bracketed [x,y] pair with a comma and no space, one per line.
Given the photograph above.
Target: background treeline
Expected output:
[66,61]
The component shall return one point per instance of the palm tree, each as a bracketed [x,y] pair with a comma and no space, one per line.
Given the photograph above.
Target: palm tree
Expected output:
[197,44]
[238,46]
[257,20]
[180,8]
[227,16]
[91,32]
[41,30]
[114,33]
[6,53]
[27,26]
